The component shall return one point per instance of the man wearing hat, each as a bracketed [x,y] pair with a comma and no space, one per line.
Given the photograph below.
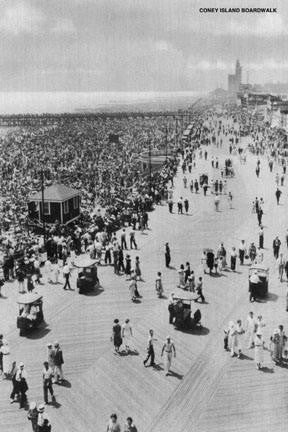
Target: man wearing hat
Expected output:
[58,360]
[43,421]
[168,348]
[51,357]
[47,375]
[167,255]
[21,384]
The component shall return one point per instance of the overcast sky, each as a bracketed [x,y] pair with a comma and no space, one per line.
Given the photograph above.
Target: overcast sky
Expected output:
[137,45]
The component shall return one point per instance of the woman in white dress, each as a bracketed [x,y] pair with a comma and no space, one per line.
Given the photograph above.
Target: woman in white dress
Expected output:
[232,338]
[258,350]
[5,351]
[181,274]
[240,333]
[127,334]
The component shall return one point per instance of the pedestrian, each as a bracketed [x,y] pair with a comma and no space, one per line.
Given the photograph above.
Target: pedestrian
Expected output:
[186,205]
[276,247]
[199,290]
[260,324]
[242,252]
[187,272]
[158,285]
[15,388]
[261,237]
[5,351]
[127,334]
[278,195]
[133,287]
[107,256]
[150,349]
[191,186]
[181,274]
[32,415]
[168,348]
[51,357]
[226,339]
[59,361]
[275,347]
[283,339]
[216,202]
[20,275]
[167,255]
[250,329]
[230,199]
[116,335]
[123,239]
[66,274]
[30,283]
[132,240]
[129,426]
[21,384]
[121,266]
[180,205]
[137,269]
[170,205]
[259,216]
[113,425]
[232,342]
[280,265]
[253,285]
[258,350]
[240,332]
[185,181]
[286,268]
[56,271]
[252,252]
[2,282]
[127,265]
[43,421]
[47,376]
[233,258]
[210,260]
[196,186]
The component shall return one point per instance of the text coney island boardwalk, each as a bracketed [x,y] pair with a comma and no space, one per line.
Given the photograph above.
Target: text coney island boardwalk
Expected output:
[208,390]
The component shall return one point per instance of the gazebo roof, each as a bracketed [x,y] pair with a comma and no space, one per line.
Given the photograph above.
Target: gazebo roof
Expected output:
[55,193]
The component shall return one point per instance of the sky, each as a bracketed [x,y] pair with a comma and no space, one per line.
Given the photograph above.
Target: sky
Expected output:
[138,45]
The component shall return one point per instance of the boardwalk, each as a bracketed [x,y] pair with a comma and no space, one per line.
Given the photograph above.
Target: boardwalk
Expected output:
[208,390]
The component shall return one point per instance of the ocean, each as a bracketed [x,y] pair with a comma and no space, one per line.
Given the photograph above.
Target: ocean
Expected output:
[71,102]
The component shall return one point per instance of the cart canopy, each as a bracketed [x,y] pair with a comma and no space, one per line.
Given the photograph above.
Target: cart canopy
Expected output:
[29,298]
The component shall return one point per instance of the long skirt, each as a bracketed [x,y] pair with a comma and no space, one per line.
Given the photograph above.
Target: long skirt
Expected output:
[259,356]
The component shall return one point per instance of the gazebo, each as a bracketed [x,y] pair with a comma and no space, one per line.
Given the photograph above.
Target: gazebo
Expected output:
[61,204]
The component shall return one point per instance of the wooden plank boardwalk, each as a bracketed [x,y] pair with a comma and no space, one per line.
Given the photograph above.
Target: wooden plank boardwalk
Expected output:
[208,390]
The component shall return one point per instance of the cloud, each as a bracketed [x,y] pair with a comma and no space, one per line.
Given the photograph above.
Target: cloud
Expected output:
[268,26]
[208,66]
[64,26]
[21,18]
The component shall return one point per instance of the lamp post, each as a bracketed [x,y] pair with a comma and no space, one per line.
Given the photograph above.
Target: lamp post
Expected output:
[150,166]
[166,144]
[42,199]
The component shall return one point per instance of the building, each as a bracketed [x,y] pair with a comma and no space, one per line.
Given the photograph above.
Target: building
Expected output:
[61,204]
[234,80]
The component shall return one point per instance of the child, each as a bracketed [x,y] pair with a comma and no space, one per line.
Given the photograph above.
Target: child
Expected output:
[226,339]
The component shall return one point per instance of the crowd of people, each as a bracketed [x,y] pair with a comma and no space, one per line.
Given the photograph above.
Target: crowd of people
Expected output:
[107,171]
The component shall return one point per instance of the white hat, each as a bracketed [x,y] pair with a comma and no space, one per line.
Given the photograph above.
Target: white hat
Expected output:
[41,407]
[21,364]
